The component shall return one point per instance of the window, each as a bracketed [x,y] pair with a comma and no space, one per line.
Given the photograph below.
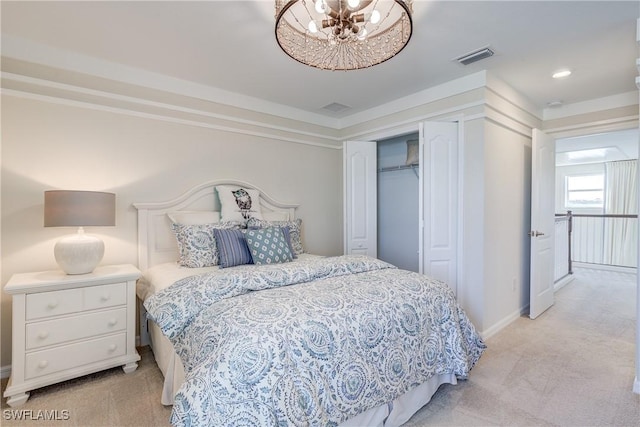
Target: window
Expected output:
[585,191]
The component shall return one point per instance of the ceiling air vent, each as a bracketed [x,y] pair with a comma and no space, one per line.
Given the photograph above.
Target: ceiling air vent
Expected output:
[476,55]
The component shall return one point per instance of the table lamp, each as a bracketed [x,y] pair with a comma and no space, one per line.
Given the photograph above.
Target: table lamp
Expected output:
[79,253]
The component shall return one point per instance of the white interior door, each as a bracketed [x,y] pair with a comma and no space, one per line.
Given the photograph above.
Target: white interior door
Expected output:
[439,204]
[360,198]
[543,161]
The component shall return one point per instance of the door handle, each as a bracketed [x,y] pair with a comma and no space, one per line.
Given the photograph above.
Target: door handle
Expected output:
[535,233]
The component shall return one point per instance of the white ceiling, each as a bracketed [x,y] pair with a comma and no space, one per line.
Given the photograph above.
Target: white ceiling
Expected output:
[598,148]
[231,45]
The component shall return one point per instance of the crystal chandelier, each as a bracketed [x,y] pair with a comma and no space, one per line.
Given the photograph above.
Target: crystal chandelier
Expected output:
[343,34]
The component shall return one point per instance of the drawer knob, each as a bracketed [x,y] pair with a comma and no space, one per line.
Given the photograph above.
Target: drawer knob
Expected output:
[105,297]
[52,304]
[112,348]
[43,335]
[43,364]
[113,322]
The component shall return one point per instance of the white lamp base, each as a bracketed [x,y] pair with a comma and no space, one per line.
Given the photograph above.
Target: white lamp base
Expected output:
[79,253]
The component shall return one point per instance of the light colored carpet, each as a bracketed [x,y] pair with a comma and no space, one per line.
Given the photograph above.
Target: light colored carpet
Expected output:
[108,398]
[573,366]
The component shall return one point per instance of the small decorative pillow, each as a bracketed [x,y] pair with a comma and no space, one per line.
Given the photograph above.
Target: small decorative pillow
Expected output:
[196,243]
[232,247]
[295,230]
[238,204]
[287,237]
[268,246]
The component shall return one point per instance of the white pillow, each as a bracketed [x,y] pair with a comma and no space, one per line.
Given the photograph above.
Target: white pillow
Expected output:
[238,204]
[194,217]
[275,216]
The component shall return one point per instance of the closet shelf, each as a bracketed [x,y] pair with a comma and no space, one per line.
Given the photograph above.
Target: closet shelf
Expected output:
[397,168]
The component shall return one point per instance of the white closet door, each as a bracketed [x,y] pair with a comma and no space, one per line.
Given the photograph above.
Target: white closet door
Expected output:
[439,204]
[360,198]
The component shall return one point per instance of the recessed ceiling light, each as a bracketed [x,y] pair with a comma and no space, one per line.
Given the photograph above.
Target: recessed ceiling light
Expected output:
[560,74]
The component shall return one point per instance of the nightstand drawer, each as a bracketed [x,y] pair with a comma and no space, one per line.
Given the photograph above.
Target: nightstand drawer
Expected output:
[75,355]
[49,332]
[53,303]
[105,296]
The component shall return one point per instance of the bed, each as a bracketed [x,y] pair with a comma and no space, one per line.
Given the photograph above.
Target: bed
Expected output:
[311,340]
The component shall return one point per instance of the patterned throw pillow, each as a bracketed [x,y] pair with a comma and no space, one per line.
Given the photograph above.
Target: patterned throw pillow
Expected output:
[196,243]
[238,204]
[287,237]
[232,247]
[268,246]
[295,230]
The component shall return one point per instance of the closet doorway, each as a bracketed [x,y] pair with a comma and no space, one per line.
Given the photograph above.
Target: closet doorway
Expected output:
[398,201]
[436,221]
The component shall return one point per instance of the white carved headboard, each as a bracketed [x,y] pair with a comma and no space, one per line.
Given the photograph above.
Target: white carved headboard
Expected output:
[156,242]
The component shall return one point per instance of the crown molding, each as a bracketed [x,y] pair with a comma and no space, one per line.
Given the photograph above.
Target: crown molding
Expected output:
[594,105]
[25,50]
[432,94]
[289,135]
[311,128]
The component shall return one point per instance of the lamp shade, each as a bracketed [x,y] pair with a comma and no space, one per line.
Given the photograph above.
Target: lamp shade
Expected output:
[79,253]
[64,208]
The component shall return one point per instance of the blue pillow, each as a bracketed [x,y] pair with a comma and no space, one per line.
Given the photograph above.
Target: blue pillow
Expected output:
[287,236]
[295,230]
[268,246]
[232,248]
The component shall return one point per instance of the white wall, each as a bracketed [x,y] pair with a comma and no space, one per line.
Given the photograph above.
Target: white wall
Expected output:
[55,146]
[496,218]
[471,292]
[507,161]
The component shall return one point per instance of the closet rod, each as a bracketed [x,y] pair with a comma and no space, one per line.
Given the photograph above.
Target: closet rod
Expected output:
[412,166]
[397,168]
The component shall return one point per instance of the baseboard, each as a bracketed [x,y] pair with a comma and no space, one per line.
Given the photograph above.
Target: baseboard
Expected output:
[506,321]
[563,282]
[5,372]
[605,267]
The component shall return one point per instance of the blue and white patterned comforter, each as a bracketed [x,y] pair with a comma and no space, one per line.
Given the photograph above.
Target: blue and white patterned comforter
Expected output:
[308,343]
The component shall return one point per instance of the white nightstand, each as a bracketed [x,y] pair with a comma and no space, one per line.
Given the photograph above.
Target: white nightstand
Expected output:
[66,326]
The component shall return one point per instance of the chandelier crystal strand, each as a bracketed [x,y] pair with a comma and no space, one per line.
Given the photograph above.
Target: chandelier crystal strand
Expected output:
[345,34]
